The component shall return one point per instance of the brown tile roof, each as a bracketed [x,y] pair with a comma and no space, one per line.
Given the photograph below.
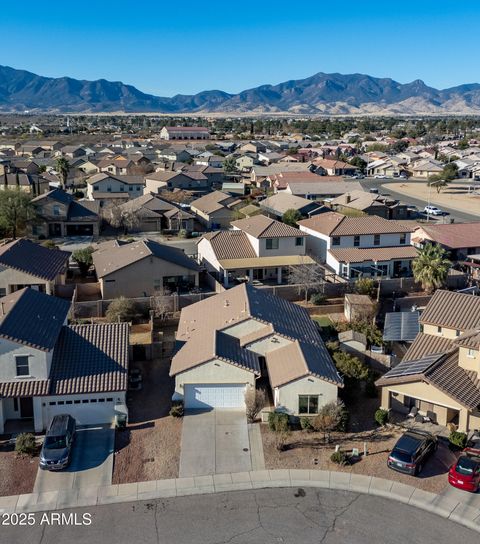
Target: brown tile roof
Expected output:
[26,256]
[335,224]
[212,202]
[454,236]
[376,254]
[111,259]
[452,310]
[187,129]
[24,388]
[470,339]
[90,359]
[230,244]
[260,226]
[425,344]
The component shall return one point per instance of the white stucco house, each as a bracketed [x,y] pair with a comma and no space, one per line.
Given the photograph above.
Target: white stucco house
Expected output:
[360,246]
[227,342]
[48,367]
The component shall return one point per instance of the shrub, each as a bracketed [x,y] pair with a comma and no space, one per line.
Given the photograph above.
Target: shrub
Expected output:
[177,409]
[350,366]
[365,286]
[184,233]
[120,309]
[458,439]
[344,419]
[278,422]
[329,418]
[25,443]
[381,416]
[49,244]
[83,257]
[317,298]
[306,423]
[255,401]
[339,457]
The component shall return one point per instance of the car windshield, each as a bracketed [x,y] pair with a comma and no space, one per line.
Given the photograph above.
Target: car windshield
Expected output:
[466,466]
[55,443]
[402,456]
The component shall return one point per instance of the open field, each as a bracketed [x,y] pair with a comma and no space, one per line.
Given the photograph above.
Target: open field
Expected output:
[456,196]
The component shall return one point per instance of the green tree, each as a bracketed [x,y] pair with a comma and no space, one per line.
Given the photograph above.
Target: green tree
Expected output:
[63,168]
[291,217]
[350,366]
[16,211]
[359,163]
[230,165]
[83,257]
[431,266]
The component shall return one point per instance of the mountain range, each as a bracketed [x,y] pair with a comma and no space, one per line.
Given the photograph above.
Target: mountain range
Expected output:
[328,94]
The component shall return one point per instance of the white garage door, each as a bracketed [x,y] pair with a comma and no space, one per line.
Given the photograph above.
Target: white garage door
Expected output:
[202,396]
[85,411]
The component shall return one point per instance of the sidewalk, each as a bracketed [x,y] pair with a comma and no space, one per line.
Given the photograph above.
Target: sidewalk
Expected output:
[444,506]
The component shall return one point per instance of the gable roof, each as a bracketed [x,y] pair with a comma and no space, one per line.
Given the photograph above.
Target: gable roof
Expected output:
[260,226]
[230,244]
[115,257]
[281,202]
[32,318]
[453,235]
[90,358]
[26,256]
[452,310]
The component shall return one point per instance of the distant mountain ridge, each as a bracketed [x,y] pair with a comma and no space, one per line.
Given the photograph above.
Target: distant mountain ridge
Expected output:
[334,94]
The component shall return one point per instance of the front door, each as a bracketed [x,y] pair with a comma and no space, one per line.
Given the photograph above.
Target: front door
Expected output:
[54,229]
[26,407]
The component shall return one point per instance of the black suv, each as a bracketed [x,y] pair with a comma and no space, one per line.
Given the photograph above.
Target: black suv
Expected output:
[411,452]
[57,446]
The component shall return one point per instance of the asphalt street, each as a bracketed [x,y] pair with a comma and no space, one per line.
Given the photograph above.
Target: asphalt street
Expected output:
[265,516]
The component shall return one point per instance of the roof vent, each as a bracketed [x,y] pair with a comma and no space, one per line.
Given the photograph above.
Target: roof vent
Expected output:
[226,304]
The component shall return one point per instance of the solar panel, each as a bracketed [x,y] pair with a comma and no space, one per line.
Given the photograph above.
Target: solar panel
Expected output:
[401,326]
[408,368]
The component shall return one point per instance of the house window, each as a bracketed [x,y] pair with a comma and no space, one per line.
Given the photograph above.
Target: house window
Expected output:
[122,188]
[471,353]
[376,240]
[95,188]
[308,404]
[403,238]
[299,241]
[21,362]
[130,188]
[336,241]
[356,241]
[109,189]
[272,243]
[56,210]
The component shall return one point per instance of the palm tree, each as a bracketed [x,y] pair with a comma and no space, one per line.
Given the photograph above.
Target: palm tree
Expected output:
[63,168]
[431,266]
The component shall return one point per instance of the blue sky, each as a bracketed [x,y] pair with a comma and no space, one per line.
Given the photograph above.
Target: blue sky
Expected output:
[188,46]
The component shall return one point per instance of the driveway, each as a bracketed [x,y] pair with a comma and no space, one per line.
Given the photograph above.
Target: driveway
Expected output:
[92,462]
[214,442]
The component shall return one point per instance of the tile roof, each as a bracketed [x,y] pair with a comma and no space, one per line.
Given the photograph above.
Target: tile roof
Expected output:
[452,310]
[281,202]
[90,359]
[199,323]
[336,224]
[24,388]
[453,236]
[230,244]
[260,226]
[376,254]
[322,187]
[212,202]
[32,318]
[470,339]
[109,259]
[26,256]
[425,344]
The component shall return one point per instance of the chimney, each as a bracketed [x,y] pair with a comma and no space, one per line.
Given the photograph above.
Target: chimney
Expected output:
[348,198]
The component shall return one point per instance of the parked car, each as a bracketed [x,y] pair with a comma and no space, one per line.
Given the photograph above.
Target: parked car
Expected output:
[57,447]
[432,210]
[358,176]
[411,452]
[465,473]
[374,190]
[380,176]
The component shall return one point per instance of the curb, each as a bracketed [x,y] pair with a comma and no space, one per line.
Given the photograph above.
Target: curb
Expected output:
[370,485]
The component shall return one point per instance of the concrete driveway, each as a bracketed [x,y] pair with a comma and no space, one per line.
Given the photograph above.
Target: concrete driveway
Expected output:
[214,442]
[92,462]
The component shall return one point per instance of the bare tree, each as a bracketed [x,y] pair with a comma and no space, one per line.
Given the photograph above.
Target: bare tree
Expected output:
[125,217]
[307,275]
[329,418]
[161,305]
[255,401]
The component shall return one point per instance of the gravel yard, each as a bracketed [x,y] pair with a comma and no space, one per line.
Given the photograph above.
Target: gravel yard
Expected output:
[149,449]
[17,472]
[307,450]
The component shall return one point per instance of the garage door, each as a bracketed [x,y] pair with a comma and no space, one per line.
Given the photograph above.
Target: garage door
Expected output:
[203,396]
[85,411]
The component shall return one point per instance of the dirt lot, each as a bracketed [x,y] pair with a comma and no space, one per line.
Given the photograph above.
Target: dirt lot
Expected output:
[17,472]
[149,449]
[454,196]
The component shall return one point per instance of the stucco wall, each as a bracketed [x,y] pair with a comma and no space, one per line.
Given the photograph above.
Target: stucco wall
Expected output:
[288,394]
[39,361]
[9,277]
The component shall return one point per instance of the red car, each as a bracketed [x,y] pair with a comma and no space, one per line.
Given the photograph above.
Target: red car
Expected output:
[465,473]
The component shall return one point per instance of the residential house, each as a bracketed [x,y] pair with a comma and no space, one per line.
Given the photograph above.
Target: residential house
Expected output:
[25,263]
[49,367]
[439,375]
[59,214]
[276,205]
[459,239]
[143,269]
[107,189]
[257,249]
[360,246]
[215,210]
[227,342]
[333,167]
[31,184]
[324,189]
[167,179]
[184,133]
[426,168]
[370,204]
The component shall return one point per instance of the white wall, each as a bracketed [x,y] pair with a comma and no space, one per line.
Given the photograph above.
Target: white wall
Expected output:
[206,256]
[39,361]
[317,243]
[288,394]
[286,246]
